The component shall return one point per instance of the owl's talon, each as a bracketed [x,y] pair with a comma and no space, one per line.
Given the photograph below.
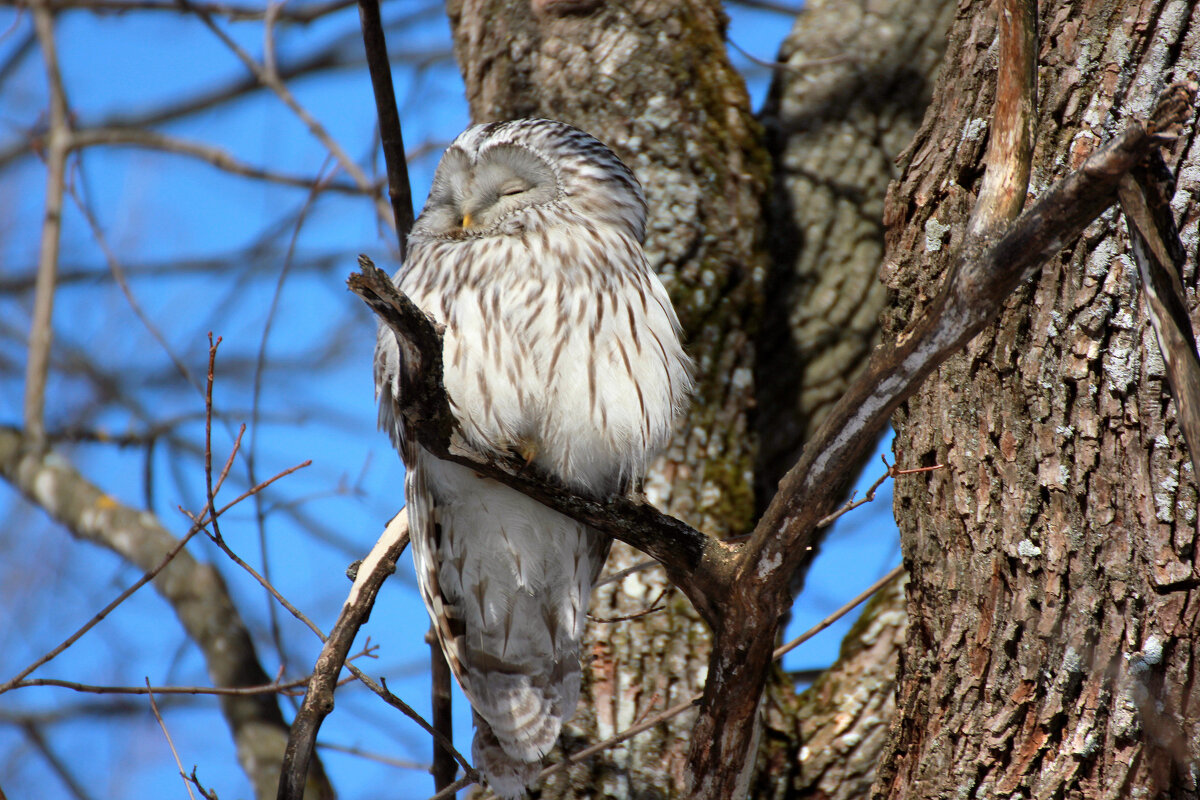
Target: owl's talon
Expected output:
[528,452]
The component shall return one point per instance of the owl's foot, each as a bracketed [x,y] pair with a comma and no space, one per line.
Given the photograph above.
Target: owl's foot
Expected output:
[528,452]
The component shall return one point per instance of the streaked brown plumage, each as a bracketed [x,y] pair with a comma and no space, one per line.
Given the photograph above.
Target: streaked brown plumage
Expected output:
[560,345]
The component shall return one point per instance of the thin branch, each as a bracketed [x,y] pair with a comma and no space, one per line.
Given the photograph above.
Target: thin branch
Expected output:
[19,679]
[175,753]
[451,791]
[863,597]
[194,590]
[301,14]
[41,334]
[869,497]
[272,80]
[277,687]
[209,154]
[797,68]
[220,542]
[369,756]
[260,367]
[118,273]
[390,135]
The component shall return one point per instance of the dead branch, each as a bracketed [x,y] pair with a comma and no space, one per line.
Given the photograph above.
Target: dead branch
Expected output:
[209,154]
[234,13]
[170,743]
[269,77]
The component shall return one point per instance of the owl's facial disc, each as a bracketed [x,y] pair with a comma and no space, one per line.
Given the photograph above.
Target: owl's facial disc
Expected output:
[504,180]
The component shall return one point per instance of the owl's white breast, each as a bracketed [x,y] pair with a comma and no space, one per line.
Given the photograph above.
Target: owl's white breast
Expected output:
[561,347]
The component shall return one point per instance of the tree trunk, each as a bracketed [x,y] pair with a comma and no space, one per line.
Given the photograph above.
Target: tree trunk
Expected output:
[652,80]
[1051,650]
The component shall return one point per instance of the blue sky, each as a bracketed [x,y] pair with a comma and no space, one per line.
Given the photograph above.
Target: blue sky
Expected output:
[315,402]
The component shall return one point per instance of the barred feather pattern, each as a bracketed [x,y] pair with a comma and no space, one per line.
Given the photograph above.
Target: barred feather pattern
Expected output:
[561,345]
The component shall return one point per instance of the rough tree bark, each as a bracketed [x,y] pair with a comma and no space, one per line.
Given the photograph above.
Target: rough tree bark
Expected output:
[651,78]
[1051,649]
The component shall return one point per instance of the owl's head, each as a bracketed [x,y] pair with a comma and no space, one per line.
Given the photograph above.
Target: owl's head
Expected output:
[501,178]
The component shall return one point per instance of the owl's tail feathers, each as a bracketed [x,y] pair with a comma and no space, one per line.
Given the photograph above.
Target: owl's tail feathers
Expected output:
[508,777]
[516,724]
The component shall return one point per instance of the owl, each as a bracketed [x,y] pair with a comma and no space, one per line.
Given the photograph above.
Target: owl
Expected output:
[562,346]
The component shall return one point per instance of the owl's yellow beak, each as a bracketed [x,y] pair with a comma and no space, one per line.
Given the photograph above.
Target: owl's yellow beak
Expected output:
[466,221]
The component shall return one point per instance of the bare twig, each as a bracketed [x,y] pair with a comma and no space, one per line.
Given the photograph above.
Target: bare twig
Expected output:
[272,80]
[17,680]
[451,791]
[869,497]
[300,14]
[797,68]
[208,406]
[209,154]
[154,707]
[276,687]
[377,757]
[196,591]
[260,367]
[263,582]
[650,608]
[863,597]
